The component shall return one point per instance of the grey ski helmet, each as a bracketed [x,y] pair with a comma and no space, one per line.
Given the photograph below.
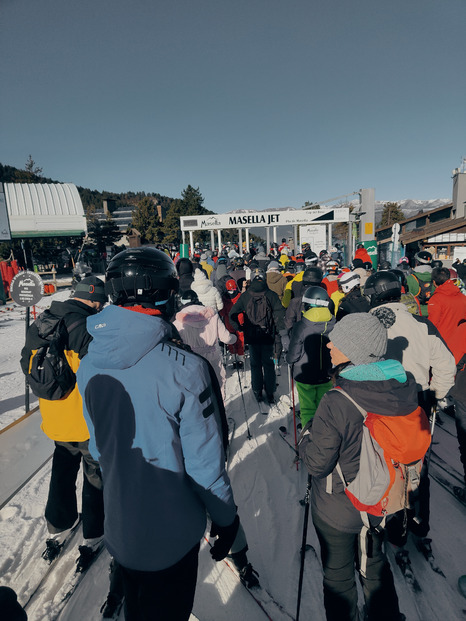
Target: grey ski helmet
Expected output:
[315,297]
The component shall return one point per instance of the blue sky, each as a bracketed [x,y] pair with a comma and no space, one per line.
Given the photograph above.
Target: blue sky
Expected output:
[259,103]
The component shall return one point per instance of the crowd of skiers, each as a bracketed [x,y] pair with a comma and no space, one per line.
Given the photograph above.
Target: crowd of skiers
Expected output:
[150,406]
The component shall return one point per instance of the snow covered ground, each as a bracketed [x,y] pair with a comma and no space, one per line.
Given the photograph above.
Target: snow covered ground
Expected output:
[267,486]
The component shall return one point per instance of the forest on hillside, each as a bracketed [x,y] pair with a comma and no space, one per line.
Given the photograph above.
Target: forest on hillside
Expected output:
[156,217]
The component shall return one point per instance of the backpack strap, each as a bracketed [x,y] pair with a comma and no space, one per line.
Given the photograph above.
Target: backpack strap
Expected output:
[416,295]
[329,484]
[367,527]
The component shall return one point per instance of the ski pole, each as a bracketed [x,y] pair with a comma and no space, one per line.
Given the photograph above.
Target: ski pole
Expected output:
[283,431]
[303,543]
[432,418]
[242,397]
[294,417]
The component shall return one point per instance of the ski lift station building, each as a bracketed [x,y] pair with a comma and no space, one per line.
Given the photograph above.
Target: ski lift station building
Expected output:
[40,210]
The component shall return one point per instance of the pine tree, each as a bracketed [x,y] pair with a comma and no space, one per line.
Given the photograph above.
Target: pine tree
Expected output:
[391,213]
[146,221]
[103,234]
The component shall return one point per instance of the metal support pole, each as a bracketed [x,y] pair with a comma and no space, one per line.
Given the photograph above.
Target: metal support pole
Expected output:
[219,238]
[247,240]
[191,244]
[26,401]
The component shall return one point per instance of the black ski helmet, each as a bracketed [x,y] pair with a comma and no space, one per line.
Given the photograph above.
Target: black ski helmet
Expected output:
[313,275]
[436,263]
[384,265]
[142,275]
[315,297]
[382,286]
[258,273]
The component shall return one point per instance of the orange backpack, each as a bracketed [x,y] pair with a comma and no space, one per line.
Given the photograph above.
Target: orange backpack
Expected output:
[392,453]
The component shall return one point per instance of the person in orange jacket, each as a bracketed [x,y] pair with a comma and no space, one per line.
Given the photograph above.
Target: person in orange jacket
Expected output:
[361,253]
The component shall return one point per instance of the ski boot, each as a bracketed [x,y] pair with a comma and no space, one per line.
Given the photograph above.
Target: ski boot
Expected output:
[87,553]
[52,550]
[111,607]
[55,543]
[248,576]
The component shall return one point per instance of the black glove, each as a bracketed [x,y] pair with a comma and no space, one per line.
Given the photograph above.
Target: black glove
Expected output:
[226,535]
[285,341]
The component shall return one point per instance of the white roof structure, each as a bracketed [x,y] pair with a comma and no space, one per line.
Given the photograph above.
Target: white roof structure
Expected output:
[44,209]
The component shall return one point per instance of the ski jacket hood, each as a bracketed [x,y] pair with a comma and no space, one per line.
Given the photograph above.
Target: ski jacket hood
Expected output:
[258,286]
[184,266]
[321,316]
[207,293]
[195,316]
[115,347]
[416,343]
[448,288]
[221,270]
[308,351]
[380,387]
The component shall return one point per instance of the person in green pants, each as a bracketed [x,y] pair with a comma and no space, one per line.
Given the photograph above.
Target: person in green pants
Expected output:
[308,352]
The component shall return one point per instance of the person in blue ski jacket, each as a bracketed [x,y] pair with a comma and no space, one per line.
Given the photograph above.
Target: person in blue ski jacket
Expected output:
[154,424]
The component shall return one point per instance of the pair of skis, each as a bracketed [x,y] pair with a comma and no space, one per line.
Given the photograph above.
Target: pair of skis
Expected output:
[262,597]
[71,578]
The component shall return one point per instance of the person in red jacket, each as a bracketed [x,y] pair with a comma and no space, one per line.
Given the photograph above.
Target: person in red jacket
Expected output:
[229,299]
[361,253]
[447,306]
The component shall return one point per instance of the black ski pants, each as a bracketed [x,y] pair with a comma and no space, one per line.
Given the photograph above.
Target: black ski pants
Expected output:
[161,595]
[262,367]
[341,553]
[61,510]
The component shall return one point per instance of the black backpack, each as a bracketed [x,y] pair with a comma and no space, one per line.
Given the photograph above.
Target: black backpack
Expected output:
[50,376]
[260,315]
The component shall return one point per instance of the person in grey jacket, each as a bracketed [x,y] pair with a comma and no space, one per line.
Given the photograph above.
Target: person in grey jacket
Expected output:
[357,346]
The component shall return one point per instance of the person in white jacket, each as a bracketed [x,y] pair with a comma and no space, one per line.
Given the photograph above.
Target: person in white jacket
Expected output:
[207,293]
[201,328]
[416,343]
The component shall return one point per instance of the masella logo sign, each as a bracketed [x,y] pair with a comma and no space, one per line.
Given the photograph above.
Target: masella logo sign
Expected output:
[271,218]
[209,223]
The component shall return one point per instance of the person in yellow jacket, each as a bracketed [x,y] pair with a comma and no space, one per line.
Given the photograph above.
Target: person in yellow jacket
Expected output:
[63,422]
[206,266]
